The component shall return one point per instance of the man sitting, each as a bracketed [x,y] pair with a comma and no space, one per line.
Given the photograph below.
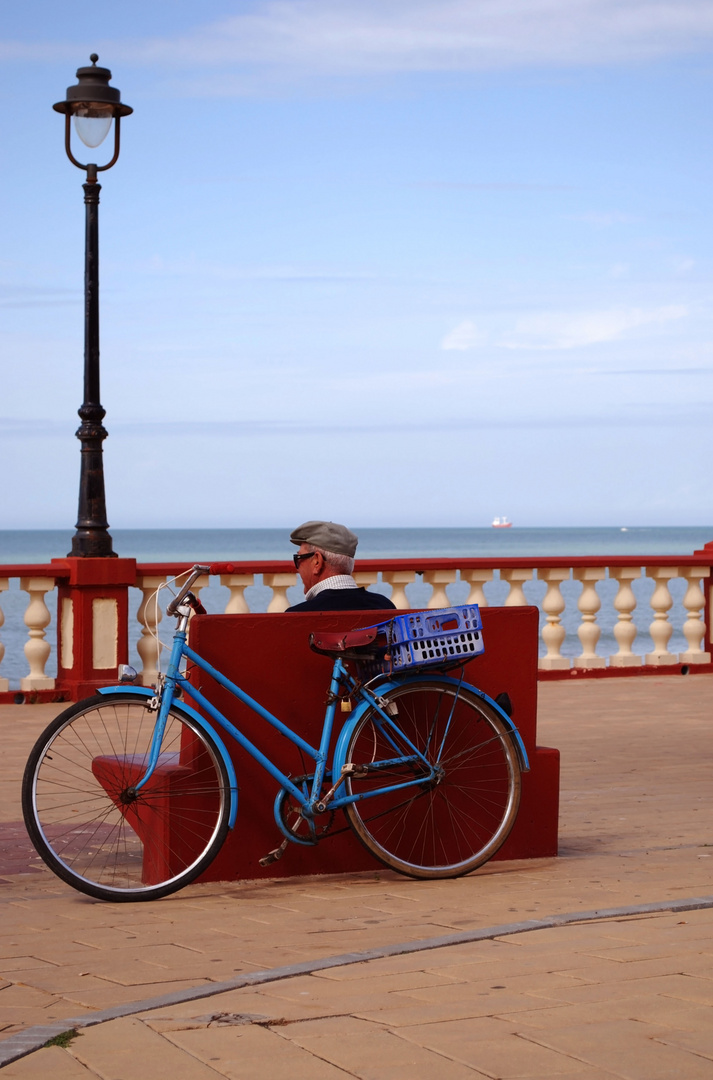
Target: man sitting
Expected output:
[324,562]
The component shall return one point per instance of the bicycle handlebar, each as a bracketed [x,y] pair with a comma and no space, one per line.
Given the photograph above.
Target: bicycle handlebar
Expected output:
[195,573]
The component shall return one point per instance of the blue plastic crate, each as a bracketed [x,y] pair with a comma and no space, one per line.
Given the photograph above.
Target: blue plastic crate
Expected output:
[434,638]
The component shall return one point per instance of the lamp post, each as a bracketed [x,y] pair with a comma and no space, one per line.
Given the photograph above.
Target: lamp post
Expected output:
[93,104]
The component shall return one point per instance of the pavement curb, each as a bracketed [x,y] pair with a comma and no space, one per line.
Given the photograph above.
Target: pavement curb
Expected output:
[34,1038]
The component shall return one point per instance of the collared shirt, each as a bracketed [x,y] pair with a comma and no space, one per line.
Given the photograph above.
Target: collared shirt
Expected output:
[337,581]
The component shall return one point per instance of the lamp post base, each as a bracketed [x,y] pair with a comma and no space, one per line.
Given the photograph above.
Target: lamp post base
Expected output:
[92,543]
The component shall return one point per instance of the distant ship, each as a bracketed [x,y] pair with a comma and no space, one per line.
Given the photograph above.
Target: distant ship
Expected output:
[502,523]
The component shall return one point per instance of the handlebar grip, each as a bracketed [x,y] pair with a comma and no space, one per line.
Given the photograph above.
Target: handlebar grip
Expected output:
[222,568]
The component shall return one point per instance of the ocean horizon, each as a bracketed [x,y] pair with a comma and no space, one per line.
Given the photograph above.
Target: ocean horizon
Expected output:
[193,545]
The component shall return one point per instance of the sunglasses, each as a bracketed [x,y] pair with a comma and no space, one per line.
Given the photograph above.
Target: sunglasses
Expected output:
[297,558]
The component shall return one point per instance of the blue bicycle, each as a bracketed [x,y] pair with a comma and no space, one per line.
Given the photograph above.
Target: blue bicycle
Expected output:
[129,795]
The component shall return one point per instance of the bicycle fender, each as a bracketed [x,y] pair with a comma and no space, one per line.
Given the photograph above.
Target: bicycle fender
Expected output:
[345,734]
[147,691]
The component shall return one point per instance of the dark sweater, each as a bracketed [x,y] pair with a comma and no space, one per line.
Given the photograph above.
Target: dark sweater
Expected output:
[344,600]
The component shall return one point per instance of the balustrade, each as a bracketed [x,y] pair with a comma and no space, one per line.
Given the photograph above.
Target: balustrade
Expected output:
[661,628]
[4,683]
[694,627]
[149,615]
[37,649]
[553,632]
[625,603]
[593,611]
[589,604]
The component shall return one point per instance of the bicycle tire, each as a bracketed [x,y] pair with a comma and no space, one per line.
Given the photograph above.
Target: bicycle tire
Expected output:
[88,827]
[451,826]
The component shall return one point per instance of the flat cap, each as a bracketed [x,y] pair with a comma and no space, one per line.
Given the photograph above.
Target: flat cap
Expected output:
[327,535]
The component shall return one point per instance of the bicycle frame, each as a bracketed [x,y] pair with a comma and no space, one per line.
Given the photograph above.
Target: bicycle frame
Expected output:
[310,804]
[309,798]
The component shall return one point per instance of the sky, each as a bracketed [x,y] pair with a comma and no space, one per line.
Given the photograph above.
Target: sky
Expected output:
[385,262]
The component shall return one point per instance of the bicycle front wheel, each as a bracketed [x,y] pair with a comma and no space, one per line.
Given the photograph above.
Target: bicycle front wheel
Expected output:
[100,835]
[454,821]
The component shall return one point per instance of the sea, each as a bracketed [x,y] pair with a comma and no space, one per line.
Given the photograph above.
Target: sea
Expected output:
[196,545]
[217,545]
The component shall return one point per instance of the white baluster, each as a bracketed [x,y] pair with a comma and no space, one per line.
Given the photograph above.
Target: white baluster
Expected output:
[589,603]
[694,626]
[37,617]
[149,615]
[516,576]
[661,629]
[477,579]
[366,577]
[279,583]
[399,579]
[625,603]
[237,584]
[553,633]
[4,684]
[200,583]
[439,579]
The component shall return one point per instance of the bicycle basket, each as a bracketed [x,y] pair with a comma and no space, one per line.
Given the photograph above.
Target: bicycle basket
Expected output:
[440,638]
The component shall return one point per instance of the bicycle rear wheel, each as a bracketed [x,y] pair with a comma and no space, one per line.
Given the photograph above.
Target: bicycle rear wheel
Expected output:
[99,835]
[454,822]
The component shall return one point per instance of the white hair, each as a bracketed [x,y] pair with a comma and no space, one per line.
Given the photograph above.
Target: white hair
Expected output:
[341,564]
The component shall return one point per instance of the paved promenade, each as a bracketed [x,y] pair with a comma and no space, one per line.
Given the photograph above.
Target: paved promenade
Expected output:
[596,964]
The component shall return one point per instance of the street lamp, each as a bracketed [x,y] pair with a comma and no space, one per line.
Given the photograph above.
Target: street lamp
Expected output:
[93,104]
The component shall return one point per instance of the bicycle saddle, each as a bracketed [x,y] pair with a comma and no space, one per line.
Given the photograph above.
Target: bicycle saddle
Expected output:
[349,644]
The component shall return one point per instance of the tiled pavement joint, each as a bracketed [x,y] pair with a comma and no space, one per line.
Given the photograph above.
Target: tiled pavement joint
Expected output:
[17,1046]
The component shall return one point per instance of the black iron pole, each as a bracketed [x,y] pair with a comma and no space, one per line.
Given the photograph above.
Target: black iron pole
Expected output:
[92,539]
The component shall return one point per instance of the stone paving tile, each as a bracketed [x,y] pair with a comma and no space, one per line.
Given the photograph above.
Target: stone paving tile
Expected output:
[594,969]
[688,988]
[402,1011]
[53,1062]
[657,1010]
[339,997]
[630,1049]
[58,979]
[253,1053]
[232,1002]
[112,993]
[128,1048]
[23,962]
[386,983]
[15,995]
[697,1042]
[498,1053]
[366,1051]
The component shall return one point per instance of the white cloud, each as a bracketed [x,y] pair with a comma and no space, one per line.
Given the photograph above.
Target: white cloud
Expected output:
[352,37]
[605,220]
[573,330]
[555,330]
[433,35]
[683,266]
[465,336]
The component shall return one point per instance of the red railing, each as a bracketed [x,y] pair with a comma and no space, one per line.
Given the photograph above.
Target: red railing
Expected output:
[594,610]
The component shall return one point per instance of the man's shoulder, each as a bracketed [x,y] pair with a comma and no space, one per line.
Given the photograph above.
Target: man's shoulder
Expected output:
[345,600]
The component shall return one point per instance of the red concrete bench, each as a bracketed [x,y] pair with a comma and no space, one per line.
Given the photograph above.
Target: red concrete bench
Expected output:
[269,656]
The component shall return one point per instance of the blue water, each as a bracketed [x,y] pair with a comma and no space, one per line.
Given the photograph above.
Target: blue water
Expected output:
[194,545]
[189,546]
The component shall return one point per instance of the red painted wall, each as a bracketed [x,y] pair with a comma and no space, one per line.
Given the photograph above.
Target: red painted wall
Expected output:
[270,658]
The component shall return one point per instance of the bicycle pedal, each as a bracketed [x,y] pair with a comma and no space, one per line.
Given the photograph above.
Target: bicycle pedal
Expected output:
[273,856]
[350,769]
